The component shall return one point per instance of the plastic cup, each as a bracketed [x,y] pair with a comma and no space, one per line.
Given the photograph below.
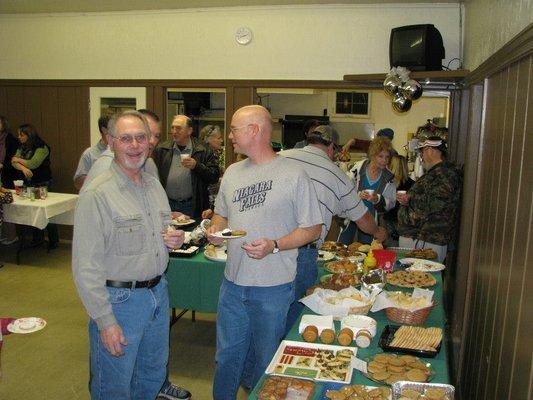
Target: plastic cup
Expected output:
[401,192]
[18,186]
[369,191]
[185,156]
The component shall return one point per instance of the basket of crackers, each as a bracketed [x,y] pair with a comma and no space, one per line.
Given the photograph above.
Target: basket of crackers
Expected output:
[406,308]
[408,316]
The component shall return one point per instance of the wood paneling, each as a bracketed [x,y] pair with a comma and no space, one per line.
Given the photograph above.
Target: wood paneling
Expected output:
[495,254]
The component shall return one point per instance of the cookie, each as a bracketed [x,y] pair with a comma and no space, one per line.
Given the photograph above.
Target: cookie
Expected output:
[416,375]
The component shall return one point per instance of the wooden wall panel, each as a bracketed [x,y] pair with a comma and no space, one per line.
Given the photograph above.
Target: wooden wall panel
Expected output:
[15,106]
[3,101]
[67,139]
[32,107]
[498,347]
[50,129]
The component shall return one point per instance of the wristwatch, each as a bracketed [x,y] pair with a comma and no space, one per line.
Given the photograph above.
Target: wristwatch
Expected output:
[276,248]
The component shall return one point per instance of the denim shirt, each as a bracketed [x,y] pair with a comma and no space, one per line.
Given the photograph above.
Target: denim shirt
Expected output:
[117,236]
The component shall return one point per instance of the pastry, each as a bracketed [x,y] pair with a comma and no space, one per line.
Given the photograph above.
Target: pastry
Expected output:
[310,333]
[327,336]
[345,337]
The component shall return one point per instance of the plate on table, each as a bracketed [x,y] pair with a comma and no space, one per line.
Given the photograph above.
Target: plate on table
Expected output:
[389,368]
[343,391]
[177,222]
[215,253]
[341,267]
[418,264]
[320,362]
[26,325]
[324,255]
[353,257]
[184,251]
[388,336]
[230,234]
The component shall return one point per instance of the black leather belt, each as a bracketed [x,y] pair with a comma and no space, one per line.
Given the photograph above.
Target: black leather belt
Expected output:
[135,284]
[309,246]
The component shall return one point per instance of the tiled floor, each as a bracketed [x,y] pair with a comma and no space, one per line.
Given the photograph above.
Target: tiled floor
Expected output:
[53,363]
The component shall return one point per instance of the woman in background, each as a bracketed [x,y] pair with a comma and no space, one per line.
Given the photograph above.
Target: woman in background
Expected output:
[212,136]
[8,148]
[32,160]
[372,175]
[398,166]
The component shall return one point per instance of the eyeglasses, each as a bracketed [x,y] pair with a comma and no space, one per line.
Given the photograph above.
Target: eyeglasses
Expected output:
[234,129]
[128,139]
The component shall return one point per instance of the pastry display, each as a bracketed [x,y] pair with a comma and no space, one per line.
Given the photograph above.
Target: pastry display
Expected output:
[411,279]
[407,302]
[353,254]
[417,338]
[315,361]
[428,254]
[359,392]
[281,388]
[423,392]
[389,368]
[341,267]
[332,246]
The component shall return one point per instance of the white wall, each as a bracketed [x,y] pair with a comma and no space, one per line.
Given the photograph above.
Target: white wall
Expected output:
[382,114]
[292,42]
[490,24]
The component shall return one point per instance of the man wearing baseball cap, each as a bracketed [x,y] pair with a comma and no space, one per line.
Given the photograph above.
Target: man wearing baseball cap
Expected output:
[336,195]
[429,210]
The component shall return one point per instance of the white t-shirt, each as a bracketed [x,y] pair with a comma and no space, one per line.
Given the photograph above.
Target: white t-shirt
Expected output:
[267,201]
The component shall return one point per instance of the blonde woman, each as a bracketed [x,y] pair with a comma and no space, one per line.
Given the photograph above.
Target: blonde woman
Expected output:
[374,183]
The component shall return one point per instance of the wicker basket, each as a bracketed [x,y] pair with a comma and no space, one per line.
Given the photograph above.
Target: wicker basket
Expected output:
[407,317]
[362,310]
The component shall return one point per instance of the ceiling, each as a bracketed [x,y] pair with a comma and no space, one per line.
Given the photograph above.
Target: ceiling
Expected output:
[76,6]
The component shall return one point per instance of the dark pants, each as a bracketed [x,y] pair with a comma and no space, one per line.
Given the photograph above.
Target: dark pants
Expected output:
[183,206]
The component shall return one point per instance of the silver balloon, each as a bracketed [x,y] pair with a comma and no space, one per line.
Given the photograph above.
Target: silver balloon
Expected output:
[411,89]
[401,103]
[391,84]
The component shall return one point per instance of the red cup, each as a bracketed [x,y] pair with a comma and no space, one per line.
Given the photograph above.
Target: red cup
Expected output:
[385,259]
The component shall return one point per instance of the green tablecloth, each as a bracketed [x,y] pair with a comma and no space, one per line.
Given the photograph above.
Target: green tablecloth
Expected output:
[194,283]
[436,318]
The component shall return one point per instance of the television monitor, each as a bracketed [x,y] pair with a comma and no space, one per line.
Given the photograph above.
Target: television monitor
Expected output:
[416,47]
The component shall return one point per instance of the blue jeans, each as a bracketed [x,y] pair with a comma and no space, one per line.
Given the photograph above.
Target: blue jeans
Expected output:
[306,276]
[140,372]
[183,206]
[351,233]
[249,317]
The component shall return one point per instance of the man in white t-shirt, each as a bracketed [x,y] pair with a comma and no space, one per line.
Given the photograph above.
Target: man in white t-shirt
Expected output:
[274,202]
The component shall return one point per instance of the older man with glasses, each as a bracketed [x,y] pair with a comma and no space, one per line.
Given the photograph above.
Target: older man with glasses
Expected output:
[186,168]
[119,255]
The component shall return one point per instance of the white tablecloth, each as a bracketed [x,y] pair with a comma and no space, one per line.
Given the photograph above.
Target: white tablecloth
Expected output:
[58,208]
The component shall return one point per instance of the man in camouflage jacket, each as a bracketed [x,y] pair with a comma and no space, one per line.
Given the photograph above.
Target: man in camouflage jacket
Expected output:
[428,212]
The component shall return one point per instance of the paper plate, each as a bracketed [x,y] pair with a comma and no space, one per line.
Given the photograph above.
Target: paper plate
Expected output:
[183,223]
[221,236]
[422,265]
[221,255]
[325,255]
[26,325]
